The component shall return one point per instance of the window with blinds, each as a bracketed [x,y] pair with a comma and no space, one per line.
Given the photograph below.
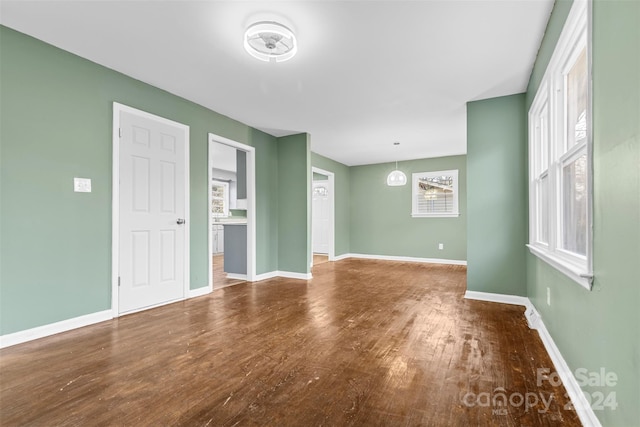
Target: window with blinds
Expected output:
[435,194]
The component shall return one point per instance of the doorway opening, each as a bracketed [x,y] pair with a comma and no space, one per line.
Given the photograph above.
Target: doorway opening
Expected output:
[322,216]
[231,212]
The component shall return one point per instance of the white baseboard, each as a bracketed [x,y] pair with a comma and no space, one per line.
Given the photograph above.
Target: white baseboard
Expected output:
[404,259]
[580,403]
[54,328]
[285,274]
[292,275]
[193,293]
[501,298]
[265,276]
[236,276]
[340,257]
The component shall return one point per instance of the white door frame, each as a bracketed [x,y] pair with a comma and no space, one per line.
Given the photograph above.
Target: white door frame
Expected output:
[332,215]
[115,202]
[251,204]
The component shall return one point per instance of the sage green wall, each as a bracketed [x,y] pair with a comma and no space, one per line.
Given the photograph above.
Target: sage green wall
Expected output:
[294,203]
[599,328]
[497,195]
[381,222]
[55,245]
[342,200]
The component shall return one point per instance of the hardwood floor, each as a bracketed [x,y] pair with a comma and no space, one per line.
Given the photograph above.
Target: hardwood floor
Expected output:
[371,343]
[220,279]
[320,259]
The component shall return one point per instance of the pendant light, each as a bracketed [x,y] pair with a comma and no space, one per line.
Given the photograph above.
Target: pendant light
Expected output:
[396,178]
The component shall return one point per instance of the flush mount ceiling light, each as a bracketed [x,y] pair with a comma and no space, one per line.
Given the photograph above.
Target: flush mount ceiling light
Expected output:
[270,41]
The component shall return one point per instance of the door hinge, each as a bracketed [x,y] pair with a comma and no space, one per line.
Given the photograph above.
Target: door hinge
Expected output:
[118,280]
[120,132]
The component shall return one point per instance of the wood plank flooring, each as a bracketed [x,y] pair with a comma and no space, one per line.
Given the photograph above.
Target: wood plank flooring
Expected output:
[220,279]
[365,343]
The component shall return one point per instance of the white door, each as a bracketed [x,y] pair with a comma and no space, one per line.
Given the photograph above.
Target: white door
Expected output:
[152,211]
[320,217]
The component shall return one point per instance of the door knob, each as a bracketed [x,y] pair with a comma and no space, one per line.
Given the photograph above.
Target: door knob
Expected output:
[180,221]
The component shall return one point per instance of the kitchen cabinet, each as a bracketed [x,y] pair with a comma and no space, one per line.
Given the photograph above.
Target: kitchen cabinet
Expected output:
[218,239]
[235,245]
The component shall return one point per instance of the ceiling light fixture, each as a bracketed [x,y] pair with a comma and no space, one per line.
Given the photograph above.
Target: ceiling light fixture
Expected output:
[270,42]
[396,178]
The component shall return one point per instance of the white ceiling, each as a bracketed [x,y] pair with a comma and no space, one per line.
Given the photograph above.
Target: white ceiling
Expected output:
[367,73]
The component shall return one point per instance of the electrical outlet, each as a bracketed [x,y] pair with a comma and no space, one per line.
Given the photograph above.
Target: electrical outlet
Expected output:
[441,246]
[548,296]
[82,185]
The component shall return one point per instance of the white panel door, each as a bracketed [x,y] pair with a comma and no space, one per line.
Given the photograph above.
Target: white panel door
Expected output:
[320,217]
[152,212]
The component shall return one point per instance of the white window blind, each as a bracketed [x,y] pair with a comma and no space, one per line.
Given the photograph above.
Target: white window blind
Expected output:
[435,194]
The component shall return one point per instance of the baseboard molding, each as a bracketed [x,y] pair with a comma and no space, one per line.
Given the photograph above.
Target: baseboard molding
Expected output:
[236,276]
[403,259]
[193,293]
[293,275]
[285,274]
[265,276]
[501,298]
[54,328]
[340,257]
[578,399]
[583,408]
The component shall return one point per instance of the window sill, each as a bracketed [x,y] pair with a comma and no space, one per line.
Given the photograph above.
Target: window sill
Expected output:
[438,215]
[575,273]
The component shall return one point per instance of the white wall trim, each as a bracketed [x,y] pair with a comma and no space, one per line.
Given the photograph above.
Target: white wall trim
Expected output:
[583,408]
[293,275]
[501,298]
[578,399]
[235,276]
[54,328]
[251,204]
[198,292]
[265,276]
[283,274]
[403,259]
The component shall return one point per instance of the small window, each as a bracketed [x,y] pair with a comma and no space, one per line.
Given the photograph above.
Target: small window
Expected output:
[219,199]
[435,194]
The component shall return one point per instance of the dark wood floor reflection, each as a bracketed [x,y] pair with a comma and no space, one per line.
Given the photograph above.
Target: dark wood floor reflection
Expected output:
[369,343]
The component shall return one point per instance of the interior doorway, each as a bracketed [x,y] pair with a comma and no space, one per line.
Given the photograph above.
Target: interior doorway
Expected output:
[322,216]
[231,212]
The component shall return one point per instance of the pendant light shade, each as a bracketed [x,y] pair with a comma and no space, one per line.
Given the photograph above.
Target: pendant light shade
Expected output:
[396,178]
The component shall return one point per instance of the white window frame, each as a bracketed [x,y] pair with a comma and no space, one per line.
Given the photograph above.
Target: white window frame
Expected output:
[550,100]
[414,195]
[225,199]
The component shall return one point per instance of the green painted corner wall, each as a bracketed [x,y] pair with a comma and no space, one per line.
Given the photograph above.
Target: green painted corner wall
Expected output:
[55,245]
[599,328]
[342,200]
[294,204]
[497,195]
[381,222]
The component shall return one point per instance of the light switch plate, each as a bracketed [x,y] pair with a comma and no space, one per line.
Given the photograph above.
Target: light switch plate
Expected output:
[82,185]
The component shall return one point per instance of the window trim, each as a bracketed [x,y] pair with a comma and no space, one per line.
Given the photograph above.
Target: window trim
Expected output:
[456,205]
[552,94]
